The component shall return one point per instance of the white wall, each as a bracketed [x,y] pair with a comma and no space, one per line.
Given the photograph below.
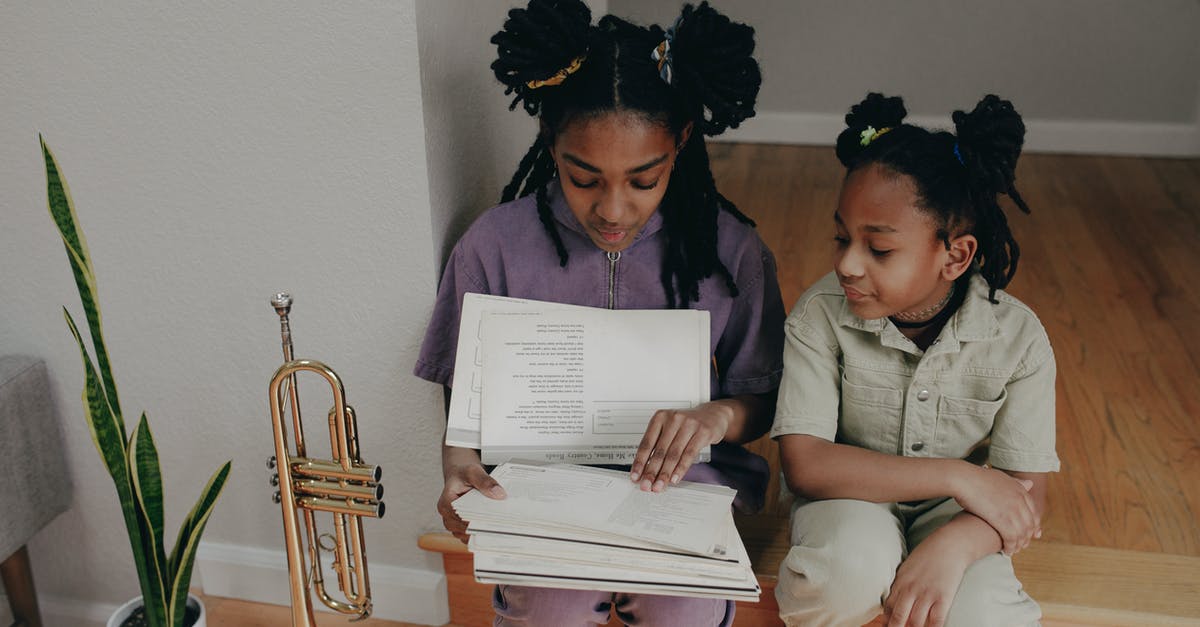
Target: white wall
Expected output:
[1108,76]
[219,152]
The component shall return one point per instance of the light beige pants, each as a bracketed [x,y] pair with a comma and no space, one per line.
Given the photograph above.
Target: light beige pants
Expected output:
[844,556]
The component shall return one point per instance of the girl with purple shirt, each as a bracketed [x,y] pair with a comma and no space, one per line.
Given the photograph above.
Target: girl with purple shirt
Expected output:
[614,205]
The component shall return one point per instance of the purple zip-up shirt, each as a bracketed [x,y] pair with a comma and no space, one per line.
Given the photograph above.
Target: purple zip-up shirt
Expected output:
[507,252]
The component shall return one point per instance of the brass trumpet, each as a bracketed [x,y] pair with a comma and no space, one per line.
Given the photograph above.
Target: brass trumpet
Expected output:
[343,486]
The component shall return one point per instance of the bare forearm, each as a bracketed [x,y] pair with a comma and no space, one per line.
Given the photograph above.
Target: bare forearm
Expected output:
[966,537]
[456,456]
[750,416]
[819,469]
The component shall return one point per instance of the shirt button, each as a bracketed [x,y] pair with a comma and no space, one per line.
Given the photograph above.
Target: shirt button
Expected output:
[923,395]
[917,446]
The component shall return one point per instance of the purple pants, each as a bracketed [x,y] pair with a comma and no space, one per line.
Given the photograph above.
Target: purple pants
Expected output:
[526,606]
[549,607]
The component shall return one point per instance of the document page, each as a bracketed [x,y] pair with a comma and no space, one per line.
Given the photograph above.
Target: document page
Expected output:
[580,385]
[688,516]
[462,428]
[503,568]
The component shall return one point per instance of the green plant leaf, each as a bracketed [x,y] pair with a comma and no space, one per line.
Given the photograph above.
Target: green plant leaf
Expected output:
[133,463]
[62,210]
[146,479]
[188,542]
[111,446]
[106,432]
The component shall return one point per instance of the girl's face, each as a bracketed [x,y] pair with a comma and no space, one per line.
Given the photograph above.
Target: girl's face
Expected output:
[888,256]
[614,170]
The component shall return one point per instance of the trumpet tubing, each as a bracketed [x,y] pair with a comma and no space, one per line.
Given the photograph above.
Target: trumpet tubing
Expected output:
[343,486]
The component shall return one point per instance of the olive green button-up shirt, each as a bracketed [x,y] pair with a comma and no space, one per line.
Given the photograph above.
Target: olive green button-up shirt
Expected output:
[988,379]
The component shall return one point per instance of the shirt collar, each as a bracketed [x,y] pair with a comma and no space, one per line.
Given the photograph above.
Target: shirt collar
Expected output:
[564,216]
[973,322]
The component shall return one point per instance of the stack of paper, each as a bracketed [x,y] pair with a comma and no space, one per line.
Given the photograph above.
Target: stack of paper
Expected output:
[560,383]
[566,526]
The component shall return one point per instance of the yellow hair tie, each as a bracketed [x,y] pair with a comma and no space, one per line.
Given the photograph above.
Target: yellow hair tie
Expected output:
[560,75]
[869,135]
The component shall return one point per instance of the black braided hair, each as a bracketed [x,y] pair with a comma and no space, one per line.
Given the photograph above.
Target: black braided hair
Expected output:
[958,176]
[715,81]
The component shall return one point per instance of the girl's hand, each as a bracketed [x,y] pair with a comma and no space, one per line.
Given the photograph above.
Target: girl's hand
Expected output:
[925,585]
[672,441]
[1004,502]
[461,479]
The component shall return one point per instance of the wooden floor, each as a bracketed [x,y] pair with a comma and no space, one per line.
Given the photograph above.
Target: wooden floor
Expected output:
[1110,260]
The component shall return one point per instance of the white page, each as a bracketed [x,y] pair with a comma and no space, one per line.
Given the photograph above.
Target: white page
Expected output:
[581,385]
[603,554]
[687,516]
[462,426]
[538,530]
[561,573]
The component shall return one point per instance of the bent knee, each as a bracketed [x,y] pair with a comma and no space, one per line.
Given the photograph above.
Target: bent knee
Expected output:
[990,595]
[819,586]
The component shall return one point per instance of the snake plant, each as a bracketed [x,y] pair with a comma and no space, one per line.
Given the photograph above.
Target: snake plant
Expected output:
[131,459]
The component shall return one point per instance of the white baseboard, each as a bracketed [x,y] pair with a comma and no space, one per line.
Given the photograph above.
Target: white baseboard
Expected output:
[58,612]
[1052,136]
[252,574]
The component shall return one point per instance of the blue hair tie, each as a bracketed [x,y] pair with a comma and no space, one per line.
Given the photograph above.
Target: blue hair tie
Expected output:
[958,155]
[662,56]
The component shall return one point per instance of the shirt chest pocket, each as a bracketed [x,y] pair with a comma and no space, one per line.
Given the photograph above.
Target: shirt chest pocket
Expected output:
[963,424]
[867,412]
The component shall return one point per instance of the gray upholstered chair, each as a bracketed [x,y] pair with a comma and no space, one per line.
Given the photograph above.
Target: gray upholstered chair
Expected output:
[34,485]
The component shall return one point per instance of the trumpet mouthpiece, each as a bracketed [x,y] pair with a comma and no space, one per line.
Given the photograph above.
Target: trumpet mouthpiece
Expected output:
[282,302]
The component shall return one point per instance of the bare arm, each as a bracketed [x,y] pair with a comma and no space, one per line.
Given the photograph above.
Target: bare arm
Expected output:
[750,416]
[819,469]
[926,582]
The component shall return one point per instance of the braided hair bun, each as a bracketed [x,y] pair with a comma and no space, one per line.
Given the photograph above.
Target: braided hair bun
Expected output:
[713,64]
[537,43]
[876,112]
[989,142]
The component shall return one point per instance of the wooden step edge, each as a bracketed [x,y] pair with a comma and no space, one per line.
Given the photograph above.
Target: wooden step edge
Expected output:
[1064,615]
[441,542]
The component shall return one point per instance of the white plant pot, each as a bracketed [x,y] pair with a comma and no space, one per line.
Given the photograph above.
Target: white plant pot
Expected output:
[124,611]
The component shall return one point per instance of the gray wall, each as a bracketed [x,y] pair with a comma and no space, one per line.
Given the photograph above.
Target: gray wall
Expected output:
[472,140]
[1102,75]
[218,153]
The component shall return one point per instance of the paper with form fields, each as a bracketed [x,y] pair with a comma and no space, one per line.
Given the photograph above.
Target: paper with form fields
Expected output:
[580,385]
[462,426]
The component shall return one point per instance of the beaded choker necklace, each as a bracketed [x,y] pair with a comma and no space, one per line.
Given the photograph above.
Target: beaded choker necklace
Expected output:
[924,316]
